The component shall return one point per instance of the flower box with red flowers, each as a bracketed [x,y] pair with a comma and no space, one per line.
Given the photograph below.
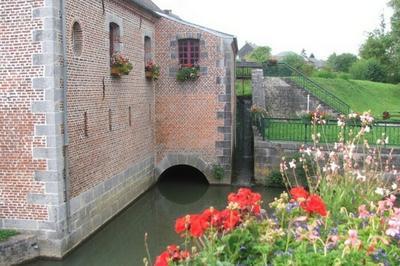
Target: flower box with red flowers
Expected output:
[120,65]
[188,72]
[151,70]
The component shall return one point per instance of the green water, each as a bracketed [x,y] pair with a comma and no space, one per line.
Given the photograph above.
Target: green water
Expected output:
[121,242]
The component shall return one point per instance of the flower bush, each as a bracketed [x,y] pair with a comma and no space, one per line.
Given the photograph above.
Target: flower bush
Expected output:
[152,69]
[120,65]
[299,230]
[188,72]
[346,215]
[349,173]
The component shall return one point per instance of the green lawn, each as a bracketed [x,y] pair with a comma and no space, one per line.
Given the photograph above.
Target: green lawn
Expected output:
[243,87]
[364,95]
[296,130]
[6,234]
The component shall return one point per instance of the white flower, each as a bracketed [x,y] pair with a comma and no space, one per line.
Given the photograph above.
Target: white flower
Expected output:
[308,151]
[334,166]
[360,176]
[367,129]
[292,164]
[380,191]
[394,186]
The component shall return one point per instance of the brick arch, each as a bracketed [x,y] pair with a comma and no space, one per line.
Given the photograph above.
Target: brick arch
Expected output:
[192,160]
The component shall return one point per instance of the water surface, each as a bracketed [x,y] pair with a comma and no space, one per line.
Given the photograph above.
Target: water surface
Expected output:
[121,242]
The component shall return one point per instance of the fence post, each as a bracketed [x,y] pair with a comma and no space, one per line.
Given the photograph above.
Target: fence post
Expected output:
[305,132]
[263,128]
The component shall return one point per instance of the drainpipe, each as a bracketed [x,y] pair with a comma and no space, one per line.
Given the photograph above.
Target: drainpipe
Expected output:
[65,117]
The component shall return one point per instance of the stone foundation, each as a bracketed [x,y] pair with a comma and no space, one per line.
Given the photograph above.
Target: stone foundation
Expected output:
[18,249]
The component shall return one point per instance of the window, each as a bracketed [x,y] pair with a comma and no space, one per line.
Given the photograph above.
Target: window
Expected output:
[188,51]
[77,39]
[114,38]
[147,49]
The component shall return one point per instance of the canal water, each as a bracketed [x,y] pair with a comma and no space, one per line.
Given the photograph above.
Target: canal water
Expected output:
[121,242]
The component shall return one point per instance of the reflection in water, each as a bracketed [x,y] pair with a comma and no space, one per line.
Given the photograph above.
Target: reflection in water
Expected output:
[121,242]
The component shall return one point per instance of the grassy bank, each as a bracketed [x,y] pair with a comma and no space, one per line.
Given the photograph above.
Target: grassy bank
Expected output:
[364,95]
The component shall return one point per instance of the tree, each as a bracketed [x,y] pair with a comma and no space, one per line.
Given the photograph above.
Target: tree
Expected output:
[260,54]
[296,61]
[342,62]
[370,69]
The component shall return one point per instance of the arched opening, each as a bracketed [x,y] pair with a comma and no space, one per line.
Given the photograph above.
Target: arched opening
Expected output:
[77,39]
[182,184]
[148,57]
[115,41]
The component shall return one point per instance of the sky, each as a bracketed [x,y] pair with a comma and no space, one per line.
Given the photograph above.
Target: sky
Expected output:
[320,27]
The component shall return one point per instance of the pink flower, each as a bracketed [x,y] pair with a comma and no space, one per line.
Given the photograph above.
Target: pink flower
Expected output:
[353,240]
[363,212]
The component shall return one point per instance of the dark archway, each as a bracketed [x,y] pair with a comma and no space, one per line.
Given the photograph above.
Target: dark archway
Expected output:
[182,184]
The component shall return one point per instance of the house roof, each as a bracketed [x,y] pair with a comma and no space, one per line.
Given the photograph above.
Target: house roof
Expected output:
[220,34]
[246,49]
[147,5]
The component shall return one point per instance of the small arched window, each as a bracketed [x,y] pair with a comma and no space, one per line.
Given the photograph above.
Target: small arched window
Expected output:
[114,38]
[77,39]
[147,49]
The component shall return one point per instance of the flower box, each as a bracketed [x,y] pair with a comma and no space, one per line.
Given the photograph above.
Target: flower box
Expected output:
[151,71]
[188,72]
[115,72]
[120,65]
[148,74]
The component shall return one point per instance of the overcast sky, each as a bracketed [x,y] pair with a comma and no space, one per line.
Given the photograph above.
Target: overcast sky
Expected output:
[319,26]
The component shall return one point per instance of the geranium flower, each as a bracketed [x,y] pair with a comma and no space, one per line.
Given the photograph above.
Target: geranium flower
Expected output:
[162,259]
[299,193]
[173,253]
[314,204]
[230,219]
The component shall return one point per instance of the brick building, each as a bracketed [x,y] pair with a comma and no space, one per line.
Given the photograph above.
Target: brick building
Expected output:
[78,145]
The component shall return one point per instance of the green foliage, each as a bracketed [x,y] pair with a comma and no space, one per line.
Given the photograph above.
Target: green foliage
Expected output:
[296,61]
[188,73]
[243,87]
[384,46]
[370,69]
[218,171]
[260,54]
[342,62]
[6,234]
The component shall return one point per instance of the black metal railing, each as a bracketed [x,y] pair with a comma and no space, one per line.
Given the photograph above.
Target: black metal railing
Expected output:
[299,130]
[292,75]
[243,69]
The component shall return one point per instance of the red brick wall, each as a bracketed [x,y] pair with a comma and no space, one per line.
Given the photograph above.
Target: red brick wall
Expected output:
[17,122]
[186,112]
[103,153]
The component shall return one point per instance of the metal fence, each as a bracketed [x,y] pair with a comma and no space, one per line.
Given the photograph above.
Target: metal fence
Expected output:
[298,130]
[292,75]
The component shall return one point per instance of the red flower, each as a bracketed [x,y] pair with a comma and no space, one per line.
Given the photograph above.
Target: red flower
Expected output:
[248,201]
[173,253]
[230,219]
[299,193]
[162,259]
[314,204]
[181,224]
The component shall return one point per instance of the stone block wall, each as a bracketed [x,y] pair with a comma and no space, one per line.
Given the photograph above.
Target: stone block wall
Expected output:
[194,118]
[281,98]
[18,249]
[31,138]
